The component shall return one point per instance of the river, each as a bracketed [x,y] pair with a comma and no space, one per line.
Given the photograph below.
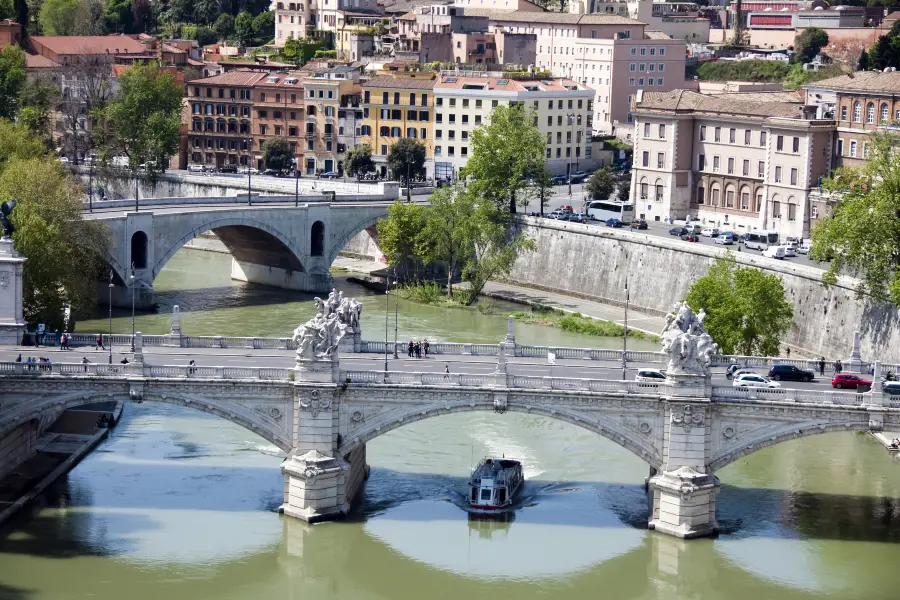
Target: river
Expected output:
[180,505]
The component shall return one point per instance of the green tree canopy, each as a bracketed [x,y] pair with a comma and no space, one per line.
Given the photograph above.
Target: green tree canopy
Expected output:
[243,28]
[504,153]
[407,156]
[224,26]
[264,27]
[359,160]
[277,154]
[7,9]
[118,16]
[400,231]
[862,64]
[808,43]
[601,185]
[143,120]
[747,312]
[57,17]
[12,80]
[17,141]
[862,236]
[624,194]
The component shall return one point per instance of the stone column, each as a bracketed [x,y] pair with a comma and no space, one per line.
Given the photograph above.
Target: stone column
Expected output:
[12,321]
[854,364]
[683,493]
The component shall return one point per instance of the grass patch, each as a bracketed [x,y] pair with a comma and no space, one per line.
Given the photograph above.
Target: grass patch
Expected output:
[431,293]
[339,270]
[578,323]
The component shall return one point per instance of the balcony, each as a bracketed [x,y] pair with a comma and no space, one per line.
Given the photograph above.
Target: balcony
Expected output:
[310,135]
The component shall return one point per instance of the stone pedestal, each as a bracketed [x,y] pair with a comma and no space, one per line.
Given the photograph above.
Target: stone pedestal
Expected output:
[312,481]
[683,385]
[855,362]
[352,341]
[684,503]
[318,371]
[12,322]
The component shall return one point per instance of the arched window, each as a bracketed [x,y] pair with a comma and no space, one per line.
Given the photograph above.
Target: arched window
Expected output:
[317,239]
[659,190]
[729,196]
[745,198]
[857,112]
[714,194]
[644,190]
[139,250]
[870,113]
[701,195]
[884,113]
[759,202]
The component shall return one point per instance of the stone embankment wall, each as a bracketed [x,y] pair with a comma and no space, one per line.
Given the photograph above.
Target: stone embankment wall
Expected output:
[595,263]
[17,447]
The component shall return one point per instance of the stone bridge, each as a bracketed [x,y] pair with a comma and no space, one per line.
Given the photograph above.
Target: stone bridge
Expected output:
[685,429]
[275,241]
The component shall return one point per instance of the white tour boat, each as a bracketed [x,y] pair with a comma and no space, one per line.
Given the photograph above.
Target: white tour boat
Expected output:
[494,483]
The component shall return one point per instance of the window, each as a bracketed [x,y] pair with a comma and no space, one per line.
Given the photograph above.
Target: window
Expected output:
[646,130]
[662,132]
[384,97]
[762,138]
[796,145]
[843,113]
[779,143]
[745,199]
[776,208]
[718,134]
[702,133]
[729,198]
[746,171]
[730,166]
[747,137]
[792,211]
[853,148]
[397,98]
[715,164]
[794,176]
[761,169]
[840,147]
[777,174]
[884,113]
[865,150]
[384,149]
[423,133]
[870,113]
[645,161]
[731,135]
[660,160]
[412,99]
[700,194]
[857,112]
[424,100]
[701,163]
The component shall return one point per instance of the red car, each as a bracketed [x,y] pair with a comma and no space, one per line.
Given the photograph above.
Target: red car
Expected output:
[848,380]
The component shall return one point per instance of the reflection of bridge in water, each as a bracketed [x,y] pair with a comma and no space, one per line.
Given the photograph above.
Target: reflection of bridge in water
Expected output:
[685,428]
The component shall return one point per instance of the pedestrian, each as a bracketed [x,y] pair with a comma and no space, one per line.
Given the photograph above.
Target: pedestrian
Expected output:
[64,341]
[409,349]
[191,369]
[418,349]
[124,361]
[100,342]
[788,351]
[446,371]
[19,358]
[425,347]
[838,367]
[85,362]
[822,366]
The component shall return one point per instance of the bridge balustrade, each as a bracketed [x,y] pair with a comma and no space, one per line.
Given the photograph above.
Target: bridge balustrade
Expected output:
[793,395]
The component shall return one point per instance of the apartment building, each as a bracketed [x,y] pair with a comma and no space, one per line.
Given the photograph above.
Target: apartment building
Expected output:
[744,161]
[326,93]
[279,111]
[562,110]
[396,106]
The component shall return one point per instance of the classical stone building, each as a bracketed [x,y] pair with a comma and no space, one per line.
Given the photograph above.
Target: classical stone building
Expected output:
[743,161]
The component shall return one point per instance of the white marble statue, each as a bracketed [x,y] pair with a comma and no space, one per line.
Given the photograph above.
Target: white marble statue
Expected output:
[319,338]
[685,341]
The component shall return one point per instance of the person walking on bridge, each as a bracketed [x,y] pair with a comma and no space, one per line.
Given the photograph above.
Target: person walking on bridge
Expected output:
[822,367]
[100,342]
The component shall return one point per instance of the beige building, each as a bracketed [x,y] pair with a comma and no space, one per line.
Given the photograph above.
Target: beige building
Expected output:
[326,95]
[562,108]
[738,161]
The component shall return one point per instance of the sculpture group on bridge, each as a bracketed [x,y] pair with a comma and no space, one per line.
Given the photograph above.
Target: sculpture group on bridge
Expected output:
[685,341]
[319,338]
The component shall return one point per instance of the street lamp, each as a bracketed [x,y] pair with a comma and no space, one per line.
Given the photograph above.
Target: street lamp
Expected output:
[109,335]
[395,314]
[570,119]
[132,306]
[91,187]
[249,168]
[137,181]
[625,336]
[296,162]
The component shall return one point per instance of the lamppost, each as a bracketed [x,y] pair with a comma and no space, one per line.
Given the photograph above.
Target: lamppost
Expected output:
[625,336]
[132,306]
[249,168]
[387,300]
[296,162]
[109,335]
[91,187]
[137,182]
[395,315]
[570,119]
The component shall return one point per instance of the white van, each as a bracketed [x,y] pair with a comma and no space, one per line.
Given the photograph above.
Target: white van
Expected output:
[693,228]
[774,252]
[710,232]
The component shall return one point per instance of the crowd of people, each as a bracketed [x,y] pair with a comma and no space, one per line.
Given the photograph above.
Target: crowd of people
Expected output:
[417,349]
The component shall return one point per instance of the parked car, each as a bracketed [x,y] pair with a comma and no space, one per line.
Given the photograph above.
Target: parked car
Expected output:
[693,228]
[578,218]
[710,232]
[567,207]
[331,175]
[789,251]
[650,375]
[804,247]
[558,180]
[891,388]
[559,214]
[743,371]
[614,222]
[790,373]
[730,369]
[64,160]
[752,380]
[578,177]
[690,237]
[679,231]
[849,381]
[774,252]
[228,169]
[640,224]
[726,239]
[196,168]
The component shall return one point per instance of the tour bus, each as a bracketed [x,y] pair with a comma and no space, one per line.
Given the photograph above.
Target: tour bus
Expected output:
[602,210]
[760,240]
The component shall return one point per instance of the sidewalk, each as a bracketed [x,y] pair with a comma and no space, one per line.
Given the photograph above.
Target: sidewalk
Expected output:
[595,310]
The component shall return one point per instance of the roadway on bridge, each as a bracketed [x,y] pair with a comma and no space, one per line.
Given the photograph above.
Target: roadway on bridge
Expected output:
[217,206]
[457,363]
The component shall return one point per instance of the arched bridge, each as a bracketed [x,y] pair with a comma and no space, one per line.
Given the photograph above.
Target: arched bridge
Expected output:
[684,428]
[273,241]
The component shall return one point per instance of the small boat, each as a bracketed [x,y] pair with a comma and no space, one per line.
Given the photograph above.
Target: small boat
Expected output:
[494,483]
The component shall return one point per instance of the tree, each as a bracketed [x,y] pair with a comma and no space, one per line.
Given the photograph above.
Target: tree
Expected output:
[21,7]
[504,152]
[57,17]
[243,28]
[447,234]
[359,160]
[277,154]
[300,50]
[862,236]
[143,120]
[808,43]
[39,97]
[205,11]
[495,248]
[863,63]
[118,16]
[406,159]
[16,141]
[63,249]
[89,90]
[624,194]
[264,26]
[12,80]
[399,233]
[224,26]
[746,309]
[7,10]
[601,185]
[88,18]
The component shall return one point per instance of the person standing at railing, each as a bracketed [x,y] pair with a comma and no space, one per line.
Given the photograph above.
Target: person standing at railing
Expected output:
[822,367]
[425,348]
[409,349]
[19,358]
[85,362]
[191,369]
[100,342]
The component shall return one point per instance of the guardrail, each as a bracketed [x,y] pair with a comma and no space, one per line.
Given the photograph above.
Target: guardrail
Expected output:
[802,396]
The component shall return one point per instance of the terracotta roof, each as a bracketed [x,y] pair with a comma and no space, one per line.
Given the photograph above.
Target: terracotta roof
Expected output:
[237,77]
[652,34]
[400,83]
[89,44]
[36,61]
[549,17]
[862,81]
[511,85]
[393,7]
[747,105]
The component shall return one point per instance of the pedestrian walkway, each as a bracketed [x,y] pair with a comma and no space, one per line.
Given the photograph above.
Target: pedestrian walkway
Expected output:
[571,304]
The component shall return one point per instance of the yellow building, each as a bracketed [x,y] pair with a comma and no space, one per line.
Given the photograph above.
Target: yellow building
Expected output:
[395,106]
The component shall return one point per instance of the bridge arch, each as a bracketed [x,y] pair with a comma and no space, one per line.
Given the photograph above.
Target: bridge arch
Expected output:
[317,239]
[605,427]
[246,417]
[139,246]
[344,237]
[248,239]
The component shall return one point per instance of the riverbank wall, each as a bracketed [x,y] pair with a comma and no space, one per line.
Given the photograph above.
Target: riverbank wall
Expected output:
[595,264]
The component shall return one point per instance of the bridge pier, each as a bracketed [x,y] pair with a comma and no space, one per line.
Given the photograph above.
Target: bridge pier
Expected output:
[144,296]
[314,283]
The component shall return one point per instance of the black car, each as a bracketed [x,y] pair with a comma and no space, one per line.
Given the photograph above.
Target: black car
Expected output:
[228,169]
[790,373]
[679,231]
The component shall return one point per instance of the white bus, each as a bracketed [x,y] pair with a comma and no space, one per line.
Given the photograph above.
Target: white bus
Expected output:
[601,210]
[760,240]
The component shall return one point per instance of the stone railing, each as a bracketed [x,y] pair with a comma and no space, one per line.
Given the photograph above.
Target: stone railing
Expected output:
[140,370]
[733,394]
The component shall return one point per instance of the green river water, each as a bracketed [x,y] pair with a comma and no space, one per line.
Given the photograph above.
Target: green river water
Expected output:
[179,505]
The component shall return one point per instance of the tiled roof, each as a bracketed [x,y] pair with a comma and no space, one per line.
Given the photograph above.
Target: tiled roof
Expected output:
[36,61]
[862,81]
[749,105]
[238,77]
[549,17]
[393,7]
[511,85]
[90,44]
[652,34]
[400,83]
